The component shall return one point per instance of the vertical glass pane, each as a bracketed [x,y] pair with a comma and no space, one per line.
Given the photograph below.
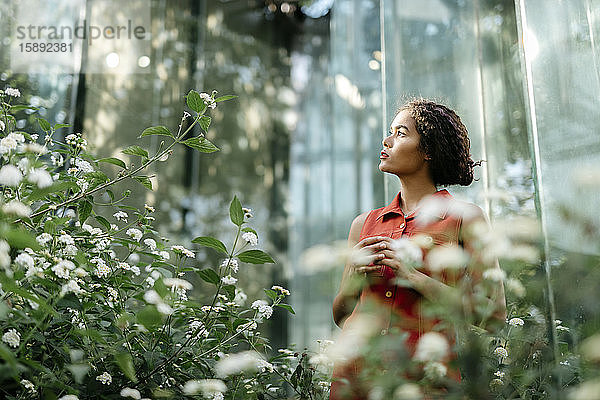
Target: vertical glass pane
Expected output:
[560,52]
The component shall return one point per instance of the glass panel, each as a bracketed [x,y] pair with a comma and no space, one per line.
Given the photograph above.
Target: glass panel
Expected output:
[560,53]
[334,175]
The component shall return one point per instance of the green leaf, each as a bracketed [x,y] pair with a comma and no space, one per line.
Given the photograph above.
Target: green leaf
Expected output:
[58,126]
[103,221]
[84,209]
[286,306]
[114,161]
[161,288]
[7,355]
[211,242]
[125,362]
[201,144]
[156,130]
[204,122]
[20,107]
[61,186]
[19,238]
[255,257]
[224,98]
[235,212]
[45,125]
[135,151]
[195,102]
[272,294]
[96,176]
[144,180]
[248,229]
[209,275]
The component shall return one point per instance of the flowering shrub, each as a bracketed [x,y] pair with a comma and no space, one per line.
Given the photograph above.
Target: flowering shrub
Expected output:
[94,304]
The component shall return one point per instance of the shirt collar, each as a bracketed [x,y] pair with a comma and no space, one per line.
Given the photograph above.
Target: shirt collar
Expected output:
[394,206]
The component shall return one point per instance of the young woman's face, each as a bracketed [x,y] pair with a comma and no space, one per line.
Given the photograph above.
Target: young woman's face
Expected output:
[401,155]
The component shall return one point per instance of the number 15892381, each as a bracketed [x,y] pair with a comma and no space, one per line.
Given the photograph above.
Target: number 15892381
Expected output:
[44,47]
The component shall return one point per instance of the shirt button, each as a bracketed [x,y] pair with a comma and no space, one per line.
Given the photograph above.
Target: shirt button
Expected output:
[388,293]
[383,332]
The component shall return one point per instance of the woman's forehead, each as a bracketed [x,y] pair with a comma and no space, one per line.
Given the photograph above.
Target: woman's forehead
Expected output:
[403,118]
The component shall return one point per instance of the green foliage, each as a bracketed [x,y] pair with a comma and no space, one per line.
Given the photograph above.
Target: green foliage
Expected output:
[93,301]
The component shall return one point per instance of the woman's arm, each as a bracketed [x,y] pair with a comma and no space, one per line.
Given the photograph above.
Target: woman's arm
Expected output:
[347,295]
[363,253]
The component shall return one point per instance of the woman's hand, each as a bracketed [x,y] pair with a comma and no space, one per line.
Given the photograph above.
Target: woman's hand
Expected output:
[367,252]
[387,255]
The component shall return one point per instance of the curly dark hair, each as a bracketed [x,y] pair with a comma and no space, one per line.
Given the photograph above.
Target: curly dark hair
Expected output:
[444,140]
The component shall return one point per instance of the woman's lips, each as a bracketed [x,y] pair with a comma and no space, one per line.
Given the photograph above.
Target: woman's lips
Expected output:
[383,155]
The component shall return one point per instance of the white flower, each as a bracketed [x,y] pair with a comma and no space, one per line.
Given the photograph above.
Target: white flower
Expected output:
[4,254]
[164,308]
[228,280]
[40,177]
[501,352]
[184,251]
[10,175]
[442,257]
[134,233]
[516,322]
[62,268]
[83,165]
[129,392]
[210,102]
[35,148]
[12,92]
[24,260]
[233,364]
[516,287]
[121,216]
[28,385]
[148,208]
[164,254]
[407,251]
[105,378]
[562,328]
[2,126]
[71,286]
[151,243]
[499,374]
[264,366]
[240,297]
[408,391]
[69,397]
[208,387]
[282,290]
[494,274]
[232,262]
[250,237]
[264,309]
[43,238]
[66,239]
[152,297]
[177,283]
[12,338]
[17,208]
[435,370]
[432,346]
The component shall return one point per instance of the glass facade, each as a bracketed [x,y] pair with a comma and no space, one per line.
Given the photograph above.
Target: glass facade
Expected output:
[317,89]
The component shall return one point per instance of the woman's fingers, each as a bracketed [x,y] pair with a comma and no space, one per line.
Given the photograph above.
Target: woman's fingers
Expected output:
[372,240]
[367,269]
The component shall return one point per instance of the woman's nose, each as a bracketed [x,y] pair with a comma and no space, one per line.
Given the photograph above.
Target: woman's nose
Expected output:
[385,142]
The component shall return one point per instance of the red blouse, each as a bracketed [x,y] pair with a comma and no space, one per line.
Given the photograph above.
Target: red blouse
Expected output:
[397,306]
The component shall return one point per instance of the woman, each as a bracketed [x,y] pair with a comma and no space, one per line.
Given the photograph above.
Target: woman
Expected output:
[427,147]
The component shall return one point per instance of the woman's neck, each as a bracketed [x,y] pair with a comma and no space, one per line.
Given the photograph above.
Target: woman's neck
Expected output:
[413,192]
